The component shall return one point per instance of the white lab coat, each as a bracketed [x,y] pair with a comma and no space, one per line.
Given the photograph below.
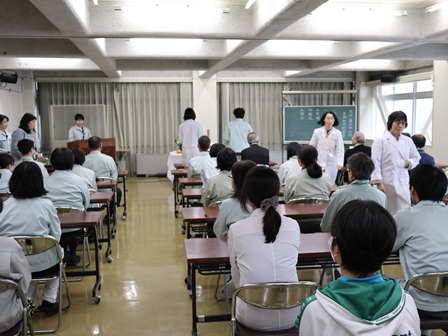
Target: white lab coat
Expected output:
[330,150]
[389,155]
[189,133]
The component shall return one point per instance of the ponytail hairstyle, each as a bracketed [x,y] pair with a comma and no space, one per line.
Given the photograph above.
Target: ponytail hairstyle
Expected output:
[308,156]
[260,188]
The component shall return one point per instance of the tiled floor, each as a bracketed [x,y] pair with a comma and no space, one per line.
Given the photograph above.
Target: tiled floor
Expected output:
[143,291]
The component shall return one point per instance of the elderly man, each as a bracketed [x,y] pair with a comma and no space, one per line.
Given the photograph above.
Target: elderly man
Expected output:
[359,167]
[358,141]
[255,153]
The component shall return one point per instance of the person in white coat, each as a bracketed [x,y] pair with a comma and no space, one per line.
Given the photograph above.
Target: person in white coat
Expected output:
[329,144]
[189,132]
[394,155]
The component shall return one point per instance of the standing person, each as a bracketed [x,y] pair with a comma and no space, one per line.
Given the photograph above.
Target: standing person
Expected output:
[263,248]
[393,156]
[5,137]
[26,127]
[255,152]
[235,135]
[420,142]
[329,144]
[79,131]
[291,166]
[189,132]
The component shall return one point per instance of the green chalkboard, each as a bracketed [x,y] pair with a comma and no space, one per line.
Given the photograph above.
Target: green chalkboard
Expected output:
[299,122]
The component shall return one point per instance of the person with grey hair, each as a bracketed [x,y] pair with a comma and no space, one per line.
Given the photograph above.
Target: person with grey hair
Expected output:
[358,141]
[255,153]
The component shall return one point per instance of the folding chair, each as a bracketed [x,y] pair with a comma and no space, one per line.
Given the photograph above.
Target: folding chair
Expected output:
[273,296]
[24,326]
[34,245]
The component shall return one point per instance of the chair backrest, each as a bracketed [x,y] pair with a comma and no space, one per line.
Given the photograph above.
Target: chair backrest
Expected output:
[104,178]
[37,244]
[215,204]
[308,200]
[67,209]
[432,283]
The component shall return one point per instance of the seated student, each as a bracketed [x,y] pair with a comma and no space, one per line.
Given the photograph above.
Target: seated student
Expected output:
[209,169]
[290,167]
[219,187]
[310,181]
[423,234]
[360,302]
[26,147]
[263,248]
[420,142]
[197,162]
[88,175]
[6,166]
[255,152]
[29,213]
[230,210]
[360,168]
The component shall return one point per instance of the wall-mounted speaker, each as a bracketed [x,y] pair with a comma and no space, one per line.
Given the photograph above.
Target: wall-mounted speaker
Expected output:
[388,78]
[8,77]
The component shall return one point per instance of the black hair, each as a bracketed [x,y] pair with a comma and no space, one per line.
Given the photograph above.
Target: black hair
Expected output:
[215,149]
[365,233]
[189,114]
[262,183]
[361,166]
[26,118]
[62,159]
[79,116]
[419,140]
[6,160]
[94,142]
[429,182]
[291,149]
[204,143]
[239,112]
[322,122]
[397,116]
[308,156]
[3,117]
[239,171]
[1,204]
[225,159]
[25,145]
[79,155]
[27,181]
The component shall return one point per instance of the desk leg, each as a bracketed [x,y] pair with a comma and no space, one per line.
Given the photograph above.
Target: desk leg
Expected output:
[125,211]
[97,286]
[110,218]
[194,330]
[176,196]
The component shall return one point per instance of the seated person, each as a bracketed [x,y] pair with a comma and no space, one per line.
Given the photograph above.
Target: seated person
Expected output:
[88,175]
[26,147]
[255,152]
[420,142]
[6,166]
[230,210]
[197,162]
[209,169]
[359,168]
[423,234]
[219,187]
[263,248]
[310,181]
[28,213]
[360,302]
[290,167]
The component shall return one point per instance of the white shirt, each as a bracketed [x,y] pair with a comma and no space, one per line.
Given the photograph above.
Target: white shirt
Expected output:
[189,133]
[78,133]
[209,170]
[235,134]
[290,167]
[88,175]
[196,163]
[4,180]
[30,159]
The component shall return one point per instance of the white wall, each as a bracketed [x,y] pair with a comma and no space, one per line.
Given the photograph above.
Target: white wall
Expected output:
[205,104]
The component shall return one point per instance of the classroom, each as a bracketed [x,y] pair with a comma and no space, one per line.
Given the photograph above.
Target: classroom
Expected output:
[132,68]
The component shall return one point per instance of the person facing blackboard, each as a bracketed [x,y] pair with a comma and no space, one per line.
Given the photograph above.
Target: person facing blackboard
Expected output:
[328,142]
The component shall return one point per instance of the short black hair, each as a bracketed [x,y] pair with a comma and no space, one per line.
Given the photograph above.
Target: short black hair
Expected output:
[215,149]
[6,160]
[429,182]
[27,181]
[62,159]
[239,112]
[419,140]
[365,233]
[25,146]
[26,118]
[239,171]
[397,116]
[291,149]
[322,122]
[3,117]
[225,159]
[189,114]
[204,142]
[94,142]
[308,156]
[79,116]
[79,155]
[361,166]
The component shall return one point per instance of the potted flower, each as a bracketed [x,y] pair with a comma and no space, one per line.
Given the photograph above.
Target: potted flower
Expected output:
[179,145]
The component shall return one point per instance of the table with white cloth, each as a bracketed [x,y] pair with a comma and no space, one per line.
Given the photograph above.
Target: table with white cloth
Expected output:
[173,158]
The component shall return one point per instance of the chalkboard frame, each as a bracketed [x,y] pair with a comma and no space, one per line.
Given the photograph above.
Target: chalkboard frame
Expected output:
[338,109]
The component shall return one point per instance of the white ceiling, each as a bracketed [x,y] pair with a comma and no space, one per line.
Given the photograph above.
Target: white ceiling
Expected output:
[172,38]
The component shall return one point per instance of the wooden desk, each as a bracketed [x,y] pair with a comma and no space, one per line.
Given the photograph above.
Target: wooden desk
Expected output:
[191,194]
[179,166]
[189,181]
[281,192]
[302,210]
[177,173]
[85,220]
[198,215]
[101,197]
[104,197]
[112,210]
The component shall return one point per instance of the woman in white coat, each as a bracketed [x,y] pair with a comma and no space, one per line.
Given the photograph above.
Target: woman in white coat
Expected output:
[329,144]
[394,155]
[189,132]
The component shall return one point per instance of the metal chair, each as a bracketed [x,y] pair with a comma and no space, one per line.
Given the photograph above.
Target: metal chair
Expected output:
[24,326]
[34,245]
[435,284]
[272,296]
[308,200]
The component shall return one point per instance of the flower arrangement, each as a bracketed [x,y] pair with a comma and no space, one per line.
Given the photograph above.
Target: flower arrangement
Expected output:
[178,144]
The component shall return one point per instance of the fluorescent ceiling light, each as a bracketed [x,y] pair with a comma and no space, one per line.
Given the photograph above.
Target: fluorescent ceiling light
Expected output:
[250,3]
[437,6]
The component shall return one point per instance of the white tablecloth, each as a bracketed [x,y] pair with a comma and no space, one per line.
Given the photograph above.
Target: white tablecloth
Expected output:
[173,158]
